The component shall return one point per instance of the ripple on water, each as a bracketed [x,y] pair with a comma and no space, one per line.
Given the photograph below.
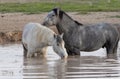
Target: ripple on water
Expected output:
[89,65]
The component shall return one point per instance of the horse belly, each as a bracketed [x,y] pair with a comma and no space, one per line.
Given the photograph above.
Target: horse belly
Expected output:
[92,43]
[91,47]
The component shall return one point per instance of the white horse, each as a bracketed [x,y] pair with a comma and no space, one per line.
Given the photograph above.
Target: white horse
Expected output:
[36,38]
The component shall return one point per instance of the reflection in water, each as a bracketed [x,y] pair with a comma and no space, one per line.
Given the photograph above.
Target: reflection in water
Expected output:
[89,65]
[11,62]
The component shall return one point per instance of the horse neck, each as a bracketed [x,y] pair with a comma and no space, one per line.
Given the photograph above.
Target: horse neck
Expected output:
[65,24]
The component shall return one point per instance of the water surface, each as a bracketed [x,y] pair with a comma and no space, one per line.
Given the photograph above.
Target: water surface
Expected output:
[90,65]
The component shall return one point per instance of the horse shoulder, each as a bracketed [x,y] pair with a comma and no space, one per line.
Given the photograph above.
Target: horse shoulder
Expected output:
[45,35]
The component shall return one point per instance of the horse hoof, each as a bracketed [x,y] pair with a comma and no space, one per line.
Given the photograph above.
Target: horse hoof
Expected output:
[29,55]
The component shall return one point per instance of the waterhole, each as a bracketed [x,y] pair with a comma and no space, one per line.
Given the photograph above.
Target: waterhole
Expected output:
[90,65]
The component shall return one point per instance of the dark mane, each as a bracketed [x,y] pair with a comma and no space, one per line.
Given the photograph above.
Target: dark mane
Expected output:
[78,23]
[61,15]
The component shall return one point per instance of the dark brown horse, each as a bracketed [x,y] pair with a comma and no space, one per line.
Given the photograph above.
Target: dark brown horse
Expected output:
[78,37]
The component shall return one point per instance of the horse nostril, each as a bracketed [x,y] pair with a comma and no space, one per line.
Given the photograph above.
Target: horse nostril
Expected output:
[64,56]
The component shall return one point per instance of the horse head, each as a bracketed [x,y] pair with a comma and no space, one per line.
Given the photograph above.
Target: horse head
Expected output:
[58,46]
[56,15]
[53,17]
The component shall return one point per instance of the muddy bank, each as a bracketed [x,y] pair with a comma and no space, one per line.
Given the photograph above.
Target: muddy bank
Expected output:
[10,37]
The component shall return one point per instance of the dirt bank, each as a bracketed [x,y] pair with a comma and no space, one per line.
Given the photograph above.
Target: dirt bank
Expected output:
[11,24]
[10,37]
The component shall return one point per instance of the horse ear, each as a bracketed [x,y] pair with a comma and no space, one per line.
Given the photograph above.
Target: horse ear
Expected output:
[56,9]
[62,35]
[55,36]
[58,12]
[61,14]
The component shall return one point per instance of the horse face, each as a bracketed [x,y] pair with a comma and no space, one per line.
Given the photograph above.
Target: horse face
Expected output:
[51,19]
[59,47]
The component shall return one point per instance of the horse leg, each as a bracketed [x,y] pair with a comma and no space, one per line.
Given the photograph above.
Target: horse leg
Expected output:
[44,51]
[24,50]
[31,52]
[111,50]
[69,52]
[76,51]
[73,51]
[115,50]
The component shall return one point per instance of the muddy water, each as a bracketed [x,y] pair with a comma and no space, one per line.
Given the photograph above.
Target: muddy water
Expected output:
[90,65]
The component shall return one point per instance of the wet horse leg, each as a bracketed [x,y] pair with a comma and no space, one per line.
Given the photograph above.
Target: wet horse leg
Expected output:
[115,50]
[109,53]
[112,50]
[24,50]
[69,52]
[73,51]
[44,51]
[31,51]
[76,51]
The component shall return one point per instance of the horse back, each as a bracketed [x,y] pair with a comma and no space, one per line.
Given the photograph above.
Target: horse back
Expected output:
[91,37]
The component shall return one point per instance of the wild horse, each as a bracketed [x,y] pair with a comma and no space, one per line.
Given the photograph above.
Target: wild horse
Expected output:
[36,38]
[78,37]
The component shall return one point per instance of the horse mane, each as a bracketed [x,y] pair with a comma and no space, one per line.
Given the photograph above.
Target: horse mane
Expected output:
[78,22]
[61,15]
